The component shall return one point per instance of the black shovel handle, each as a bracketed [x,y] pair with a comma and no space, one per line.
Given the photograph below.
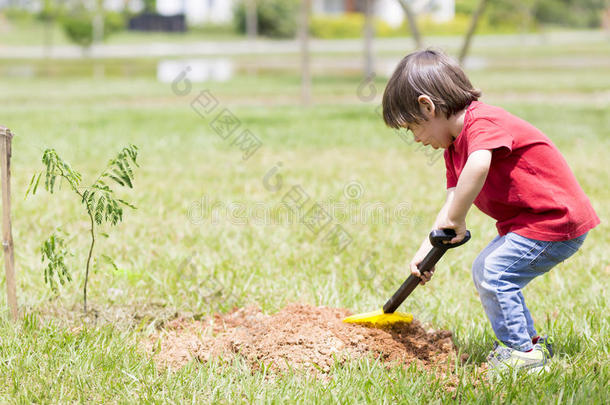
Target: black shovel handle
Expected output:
[434,255]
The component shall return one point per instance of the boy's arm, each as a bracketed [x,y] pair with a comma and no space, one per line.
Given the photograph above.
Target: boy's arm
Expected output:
[459,200]
[426,246]
[469,185]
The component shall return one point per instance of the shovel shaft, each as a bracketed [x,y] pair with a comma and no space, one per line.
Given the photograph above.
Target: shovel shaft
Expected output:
[433,256]
[437,239]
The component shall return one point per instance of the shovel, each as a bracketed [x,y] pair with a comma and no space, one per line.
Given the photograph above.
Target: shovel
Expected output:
[388,315]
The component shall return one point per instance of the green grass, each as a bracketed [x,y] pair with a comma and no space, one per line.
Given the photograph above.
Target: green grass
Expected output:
[323,148]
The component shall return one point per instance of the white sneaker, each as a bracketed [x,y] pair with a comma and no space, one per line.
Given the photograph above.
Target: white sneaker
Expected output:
[503,358]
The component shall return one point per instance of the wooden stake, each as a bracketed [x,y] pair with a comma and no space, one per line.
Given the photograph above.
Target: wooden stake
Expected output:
[7,236]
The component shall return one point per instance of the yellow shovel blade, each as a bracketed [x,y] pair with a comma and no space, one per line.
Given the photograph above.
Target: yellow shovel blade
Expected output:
[379,318]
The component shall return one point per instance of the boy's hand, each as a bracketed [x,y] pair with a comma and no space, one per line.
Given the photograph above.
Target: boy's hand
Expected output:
[459,226]
[417,259]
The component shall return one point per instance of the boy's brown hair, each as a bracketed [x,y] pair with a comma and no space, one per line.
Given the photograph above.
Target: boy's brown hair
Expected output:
[430,73]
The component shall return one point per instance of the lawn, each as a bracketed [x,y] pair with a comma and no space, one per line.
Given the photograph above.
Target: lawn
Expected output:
[170,250]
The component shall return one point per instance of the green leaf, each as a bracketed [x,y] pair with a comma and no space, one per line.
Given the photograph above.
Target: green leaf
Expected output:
[91,201]
[37,182]
[132,151]
[118,180]
[127,204]
[54,251]
[85,196]
[108,259]
[125,173]
[128,167]
[30,186]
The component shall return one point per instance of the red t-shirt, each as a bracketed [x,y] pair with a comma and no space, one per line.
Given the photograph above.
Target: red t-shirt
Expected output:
[530,190]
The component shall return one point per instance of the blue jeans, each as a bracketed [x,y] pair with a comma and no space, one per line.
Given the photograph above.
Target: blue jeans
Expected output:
[502,269]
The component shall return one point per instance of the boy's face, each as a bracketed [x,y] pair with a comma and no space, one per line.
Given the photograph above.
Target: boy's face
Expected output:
[436,131]
[432,132]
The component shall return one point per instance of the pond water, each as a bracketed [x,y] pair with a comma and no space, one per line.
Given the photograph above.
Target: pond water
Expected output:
[199,70]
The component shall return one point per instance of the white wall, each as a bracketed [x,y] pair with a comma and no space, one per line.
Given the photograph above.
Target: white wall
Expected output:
[390,12]
[443,10]
[119,5]
[170,7]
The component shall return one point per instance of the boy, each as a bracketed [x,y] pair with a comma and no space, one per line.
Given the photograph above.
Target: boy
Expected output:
[512,172]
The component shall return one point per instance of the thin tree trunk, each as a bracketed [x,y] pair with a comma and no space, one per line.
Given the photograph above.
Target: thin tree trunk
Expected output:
[368,38]
[473,26]
[98,37]
[48,37]
[88,262]
[304,39]
[251,19]
[412,23]
[98,22]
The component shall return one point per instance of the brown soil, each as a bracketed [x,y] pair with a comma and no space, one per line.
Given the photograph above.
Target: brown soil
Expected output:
[298,336]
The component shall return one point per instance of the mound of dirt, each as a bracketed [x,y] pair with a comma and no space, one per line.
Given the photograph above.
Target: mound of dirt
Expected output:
[298,336]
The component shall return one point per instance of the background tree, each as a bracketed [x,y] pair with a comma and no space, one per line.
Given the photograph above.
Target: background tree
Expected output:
[412,22]
[82,25]
[305,55]
[251,19]
[150,6]
[49,13]
[368,34]
[476,15]
[572,13]
[275,18]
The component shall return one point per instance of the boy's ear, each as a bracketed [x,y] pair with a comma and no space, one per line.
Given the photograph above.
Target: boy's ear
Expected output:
[426,106]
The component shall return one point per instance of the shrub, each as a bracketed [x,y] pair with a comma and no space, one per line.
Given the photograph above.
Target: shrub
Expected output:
[466,6]
[575,13]
[344,26]
[79,26]
[150,6]
[460,24]
[276,18]
[50,10]
[113,22]
[510,13]
[517,13]
[350,25]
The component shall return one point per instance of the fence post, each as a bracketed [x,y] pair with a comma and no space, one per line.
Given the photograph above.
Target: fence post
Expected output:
[7,237]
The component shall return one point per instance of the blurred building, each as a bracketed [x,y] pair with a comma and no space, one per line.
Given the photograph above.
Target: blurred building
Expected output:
[389,11]
[120,5]
[196,11]
[114,5]
[221,11]
[199,11]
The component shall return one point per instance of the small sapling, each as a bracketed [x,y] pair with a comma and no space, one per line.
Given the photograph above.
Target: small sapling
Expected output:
[98,200]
